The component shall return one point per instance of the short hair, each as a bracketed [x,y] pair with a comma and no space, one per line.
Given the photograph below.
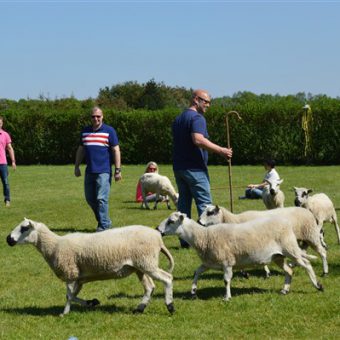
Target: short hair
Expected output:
[96,108]
[270,162]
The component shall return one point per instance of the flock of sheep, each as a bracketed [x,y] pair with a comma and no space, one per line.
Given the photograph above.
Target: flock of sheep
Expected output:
[222,240]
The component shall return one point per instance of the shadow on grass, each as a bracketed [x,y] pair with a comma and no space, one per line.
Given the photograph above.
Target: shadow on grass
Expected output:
[57,310]
[236,273]
[202,293]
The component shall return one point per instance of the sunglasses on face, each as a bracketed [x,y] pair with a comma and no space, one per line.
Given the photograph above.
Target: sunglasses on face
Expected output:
[95,116]
[204,100]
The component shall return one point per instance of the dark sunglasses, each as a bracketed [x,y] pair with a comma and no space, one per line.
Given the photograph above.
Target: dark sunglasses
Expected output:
[204,100]
[94,116]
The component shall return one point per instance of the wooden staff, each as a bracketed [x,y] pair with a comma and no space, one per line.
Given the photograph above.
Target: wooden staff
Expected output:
[229,159]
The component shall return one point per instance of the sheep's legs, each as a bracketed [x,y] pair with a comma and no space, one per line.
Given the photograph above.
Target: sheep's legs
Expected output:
[201,269]
[279,260]
[156,201]
[303,262]
[73,289]
[227,276]
[323,254]
[166,278]
[266,269]
[145,202]
[149,287]
[335,222]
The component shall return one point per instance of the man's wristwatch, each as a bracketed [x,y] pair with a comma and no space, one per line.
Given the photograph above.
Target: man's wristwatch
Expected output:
[117,171]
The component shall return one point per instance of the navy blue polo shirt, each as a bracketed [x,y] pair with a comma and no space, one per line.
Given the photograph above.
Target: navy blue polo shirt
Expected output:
[97,145]
[186,155]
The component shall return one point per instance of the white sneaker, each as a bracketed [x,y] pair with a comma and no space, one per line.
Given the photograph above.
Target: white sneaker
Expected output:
[7,204]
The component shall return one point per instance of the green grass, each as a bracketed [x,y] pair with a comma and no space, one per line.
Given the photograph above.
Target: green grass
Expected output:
[31,296]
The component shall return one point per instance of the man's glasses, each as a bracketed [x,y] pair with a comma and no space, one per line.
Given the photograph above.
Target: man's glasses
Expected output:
[204,100]
[94,116]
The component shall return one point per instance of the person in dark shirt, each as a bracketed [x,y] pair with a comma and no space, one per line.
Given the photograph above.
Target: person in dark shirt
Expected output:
[99,144]
[191,145]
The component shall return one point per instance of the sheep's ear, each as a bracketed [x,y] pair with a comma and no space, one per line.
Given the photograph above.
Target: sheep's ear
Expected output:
[217,209]
[29,222]
[309,191]
[280,181]
[181,217]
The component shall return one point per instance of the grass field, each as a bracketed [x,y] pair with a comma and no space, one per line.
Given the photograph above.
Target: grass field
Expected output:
[31,296]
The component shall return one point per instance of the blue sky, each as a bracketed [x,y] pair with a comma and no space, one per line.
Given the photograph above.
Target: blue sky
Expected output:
[63,48]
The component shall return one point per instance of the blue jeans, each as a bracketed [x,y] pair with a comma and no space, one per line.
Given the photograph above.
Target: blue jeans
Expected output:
[4,180]
[192,185]
[97,193]
[254,193]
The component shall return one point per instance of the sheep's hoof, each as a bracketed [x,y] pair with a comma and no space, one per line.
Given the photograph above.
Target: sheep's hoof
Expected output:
[284,292]
[245,274]
[193,296]
[92,303]
[170,308]
[140,309]
[320,287]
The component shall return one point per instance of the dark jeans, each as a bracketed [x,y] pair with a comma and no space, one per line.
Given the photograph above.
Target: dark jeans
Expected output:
[4,180]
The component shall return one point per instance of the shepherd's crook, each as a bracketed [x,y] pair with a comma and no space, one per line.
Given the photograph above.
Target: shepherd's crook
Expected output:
[229,159]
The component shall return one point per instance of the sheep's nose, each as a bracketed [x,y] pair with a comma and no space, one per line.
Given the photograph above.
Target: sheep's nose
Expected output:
[297,203]
[160,231]
[272,191]
[11,242]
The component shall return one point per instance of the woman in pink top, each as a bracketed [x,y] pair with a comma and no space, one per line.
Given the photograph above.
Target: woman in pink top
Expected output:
[150,197]
[5,145]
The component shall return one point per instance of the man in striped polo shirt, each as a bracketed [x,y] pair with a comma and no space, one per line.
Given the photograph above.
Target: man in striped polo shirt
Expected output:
[100,146]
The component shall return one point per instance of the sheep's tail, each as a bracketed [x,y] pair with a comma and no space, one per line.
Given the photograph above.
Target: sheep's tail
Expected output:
[166,252]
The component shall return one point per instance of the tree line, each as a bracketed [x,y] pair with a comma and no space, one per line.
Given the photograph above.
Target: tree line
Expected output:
[46,131]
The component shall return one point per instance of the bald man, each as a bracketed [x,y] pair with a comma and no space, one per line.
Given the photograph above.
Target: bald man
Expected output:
[191,145]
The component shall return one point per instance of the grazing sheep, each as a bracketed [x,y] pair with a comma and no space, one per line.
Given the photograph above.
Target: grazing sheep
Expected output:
[272,196]
[303,223]
[160,185]
[224,246]
[79,258]
[320,205]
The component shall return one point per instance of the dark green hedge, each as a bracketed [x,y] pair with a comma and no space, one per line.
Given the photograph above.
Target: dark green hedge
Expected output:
[47,132]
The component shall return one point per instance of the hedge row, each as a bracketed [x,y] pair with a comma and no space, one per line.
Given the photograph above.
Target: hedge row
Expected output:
[47,133]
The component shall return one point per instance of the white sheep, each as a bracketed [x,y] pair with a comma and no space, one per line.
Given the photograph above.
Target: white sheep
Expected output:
[303,223]
[320,205]
[160,185]
[79,258]
[225,246]
[272,196]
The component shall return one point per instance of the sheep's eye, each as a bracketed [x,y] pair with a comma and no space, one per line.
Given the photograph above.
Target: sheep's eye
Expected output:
[24,229]
[304,194]
[210,213]
[168,222]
